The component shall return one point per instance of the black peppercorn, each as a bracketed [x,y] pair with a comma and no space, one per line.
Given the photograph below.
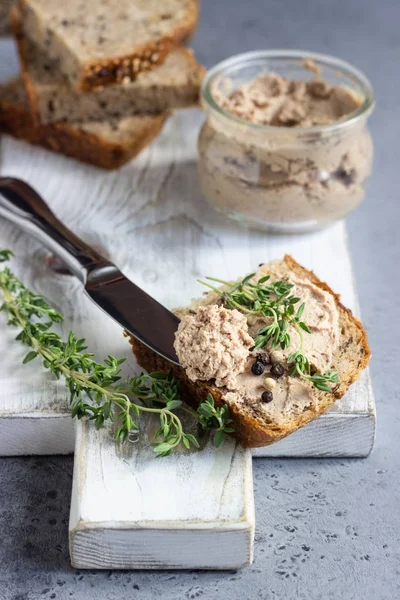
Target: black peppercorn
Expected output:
[263,359]
[277,370]
[267,396]
[257,368]
[346,177]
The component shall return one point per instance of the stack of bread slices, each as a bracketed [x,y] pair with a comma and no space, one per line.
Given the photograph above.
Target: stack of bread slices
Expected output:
[99,78]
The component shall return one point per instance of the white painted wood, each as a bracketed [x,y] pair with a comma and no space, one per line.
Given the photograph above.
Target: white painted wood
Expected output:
[151,219]
[131,510]
[36,433]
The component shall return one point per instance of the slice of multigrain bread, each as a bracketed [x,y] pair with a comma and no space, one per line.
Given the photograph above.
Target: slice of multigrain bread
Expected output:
[253,427]
[101,42]
[174,84]
[103,144]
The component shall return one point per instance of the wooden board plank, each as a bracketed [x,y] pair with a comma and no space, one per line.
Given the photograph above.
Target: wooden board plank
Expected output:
[151,204]
[191,510]
[151,219]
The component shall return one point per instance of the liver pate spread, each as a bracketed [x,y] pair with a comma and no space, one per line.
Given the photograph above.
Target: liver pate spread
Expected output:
[214,343]
[281,175]
[281,102]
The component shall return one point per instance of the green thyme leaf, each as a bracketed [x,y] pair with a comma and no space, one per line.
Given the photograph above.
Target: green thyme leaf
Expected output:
[5,255]
[30,356]
[219,438]
[216,419]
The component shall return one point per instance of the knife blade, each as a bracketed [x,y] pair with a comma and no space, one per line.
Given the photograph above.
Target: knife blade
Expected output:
[136,311]
[126,303]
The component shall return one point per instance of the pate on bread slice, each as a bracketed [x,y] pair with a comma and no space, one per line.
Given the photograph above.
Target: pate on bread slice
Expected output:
[335,341]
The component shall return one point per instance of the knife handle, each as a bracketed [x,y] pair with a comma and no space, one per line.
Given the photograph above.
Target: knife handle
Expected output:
[21,205]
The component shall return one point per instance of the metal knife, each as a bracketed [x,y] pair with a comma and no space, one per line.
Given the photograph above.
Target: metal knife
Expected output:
[137,312]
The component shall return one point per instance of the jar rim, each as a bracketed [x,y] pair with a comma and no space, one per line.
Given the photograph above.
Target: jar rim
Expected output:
[249,58]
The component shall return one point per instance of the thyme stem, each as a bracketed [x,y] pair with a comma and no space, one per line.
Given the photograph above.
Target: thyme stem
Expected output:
[96,388]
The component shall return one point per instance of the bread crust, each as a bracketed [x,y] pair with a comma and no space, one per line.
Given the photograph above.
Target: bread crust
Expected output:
[84,146]
[16,25]
[146,58]
[250,429]
[113,101]
[99,73]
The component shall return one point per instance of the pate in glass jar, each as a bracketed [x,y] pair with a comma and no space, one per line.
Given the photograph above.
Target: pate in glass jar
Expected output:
[285,147]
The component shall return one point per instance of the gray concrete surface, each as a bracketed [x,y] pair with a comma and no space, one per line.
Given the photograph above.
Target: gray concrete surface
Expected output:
[326,529]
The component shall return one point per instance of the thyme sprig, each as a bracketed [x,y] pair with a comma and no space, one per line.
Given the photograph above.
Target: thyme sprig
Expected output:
[97,390]
[274,300]
[216,419]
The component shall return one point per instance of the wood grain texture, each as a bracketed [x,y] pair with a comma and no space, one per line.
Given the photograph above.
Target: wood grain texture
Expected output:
[131,510]
[151,219]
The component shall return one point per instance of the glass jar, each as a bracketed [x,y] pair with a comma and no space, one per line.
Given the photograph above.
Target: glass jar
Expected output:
[281,178]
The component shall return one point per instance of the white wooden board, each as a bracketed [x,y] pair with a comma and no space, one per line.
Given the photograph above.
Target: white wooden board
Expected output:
[151,219]
[132,511]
